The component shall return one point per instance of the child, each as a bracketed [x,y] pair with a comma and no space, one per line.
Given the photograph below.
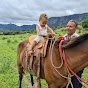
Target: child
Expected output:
[41,29]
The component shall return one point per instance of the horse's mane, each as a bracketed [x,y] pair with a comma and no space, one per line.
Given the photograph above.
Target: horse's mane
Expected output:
[72,42]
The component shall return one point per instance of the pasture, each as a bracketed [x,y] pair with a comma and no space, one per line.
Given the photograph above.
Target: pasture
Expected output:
[8,60]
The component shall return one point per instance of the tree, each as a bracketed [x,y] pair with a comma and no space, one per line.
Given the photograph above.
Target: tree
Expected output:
[85,22]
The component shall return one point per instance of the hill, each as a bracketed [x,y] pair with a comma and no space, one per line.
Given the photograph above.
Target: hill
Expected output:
[59,21]
[6,27]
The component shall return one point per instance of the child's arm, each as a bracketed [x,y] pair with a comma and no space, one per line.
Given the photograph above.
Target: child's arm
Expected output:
[51,30]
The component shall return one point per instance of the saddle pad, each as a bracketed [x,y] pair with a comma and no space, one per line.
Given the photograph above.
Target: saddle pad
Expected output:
[31,38]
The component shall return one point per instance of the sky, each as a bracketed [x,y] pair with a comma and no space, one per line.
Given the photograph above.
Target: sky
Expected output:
[27,12]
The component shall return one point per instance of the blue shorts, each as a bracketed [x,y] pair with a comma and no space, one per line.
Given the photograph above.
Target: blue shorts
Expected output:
[38,38]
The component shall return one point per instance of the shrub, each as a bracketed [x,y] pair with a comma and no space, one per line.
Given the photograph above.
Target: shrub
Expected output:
[8,41]
[15,41]
[3,38]
[85,22]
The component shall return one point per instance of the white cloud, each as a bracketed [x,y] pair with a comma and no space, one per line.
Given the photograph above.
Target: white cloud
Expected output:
[27,11]
[69,12]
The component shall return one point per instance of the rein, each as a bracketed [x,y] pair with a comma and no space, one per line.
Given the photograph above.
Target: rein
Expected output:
[80,80]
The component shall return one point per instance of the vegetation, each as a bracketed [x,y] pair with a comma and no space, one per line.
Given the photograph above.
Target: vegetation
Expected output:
[85,22]
[8,57]
[17,32]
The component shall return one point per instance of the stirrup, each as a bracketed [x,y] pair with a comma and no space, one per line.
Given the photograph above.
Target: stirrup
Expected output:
[31,51]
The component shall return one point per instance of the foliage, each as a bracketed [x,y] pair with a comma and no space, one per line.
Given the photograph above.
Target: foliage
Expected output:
[17,32]
[85,22]
[80,28]
[8,41]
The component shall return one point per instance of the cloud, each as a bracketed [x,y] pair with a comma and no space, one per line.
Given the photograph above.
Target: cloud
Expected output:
[28,11]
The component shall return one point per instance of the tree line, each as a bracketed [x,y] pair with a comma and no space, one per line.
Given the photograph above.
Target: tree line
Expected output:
[85,22]
[17,32]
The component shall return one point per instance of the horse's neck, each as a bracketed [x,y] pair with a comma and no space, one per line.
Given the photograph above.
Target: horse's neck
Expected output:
[77,57]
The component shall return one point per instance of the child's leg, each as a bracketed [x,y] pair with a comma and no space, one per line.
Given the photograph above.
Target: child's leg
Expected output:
[33,44]
[31,47]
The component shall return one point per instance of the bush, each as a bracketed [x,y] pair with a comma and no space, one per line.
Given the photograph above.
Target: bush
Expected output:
[8,41]
[85,23]
[3,38]
[80,28]
[15,41]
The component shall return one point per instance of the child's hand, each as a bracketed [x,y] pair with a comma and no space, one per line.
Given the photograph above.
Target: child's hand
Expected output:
[54,34]
[39,34]
[45,35]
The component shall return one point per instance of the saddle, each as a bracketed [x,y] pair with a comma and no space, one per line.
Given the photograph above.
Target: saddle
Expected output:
[40,47]
[39,51]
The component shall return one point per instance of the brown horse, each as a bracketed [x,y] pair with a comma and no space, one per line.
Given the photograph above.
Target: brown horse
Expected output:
[76,54]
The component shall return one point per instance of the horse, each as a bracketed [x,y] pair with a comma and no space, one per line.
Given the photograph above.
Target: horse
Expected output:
[76,55]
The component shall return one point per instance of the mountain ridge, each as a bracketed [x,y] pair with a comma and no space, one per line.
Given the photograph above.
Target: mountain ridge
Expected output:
[6,27]
[52,22]
[58,21]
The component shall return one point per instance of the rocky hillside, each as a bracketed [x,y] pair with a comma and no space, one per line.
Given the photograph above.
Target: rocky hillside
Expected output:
[58,21]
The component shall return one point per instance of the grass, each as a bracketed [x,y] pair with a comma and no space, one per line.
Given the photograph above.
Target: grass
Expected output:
[8,60]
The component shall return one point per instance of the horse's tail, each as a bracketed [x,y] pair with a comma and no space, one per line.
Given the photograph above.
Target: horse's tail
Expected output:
[32,82]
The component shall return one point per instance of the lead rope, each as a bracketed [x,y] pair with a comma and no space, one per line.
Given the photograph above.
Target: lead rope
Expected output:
[55,68]
[69,75]
[51,51]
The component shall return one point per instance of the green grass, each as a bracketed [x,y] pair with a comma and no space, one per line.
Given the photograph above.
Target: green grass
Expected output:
[8,60]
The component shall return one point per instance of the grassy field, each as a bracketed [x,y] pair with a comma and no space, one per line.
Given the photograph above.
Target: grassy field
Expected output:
[8,60]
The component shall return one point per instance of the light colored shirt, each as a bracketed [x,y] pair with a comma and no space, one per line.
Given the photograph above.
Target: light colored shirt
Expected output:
[42,31]
[74,35]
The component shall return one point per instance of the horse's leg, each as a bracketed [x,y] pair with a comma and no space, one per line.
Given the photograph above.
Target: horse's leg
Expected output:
[20,71]
[32,80]
[37,84]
